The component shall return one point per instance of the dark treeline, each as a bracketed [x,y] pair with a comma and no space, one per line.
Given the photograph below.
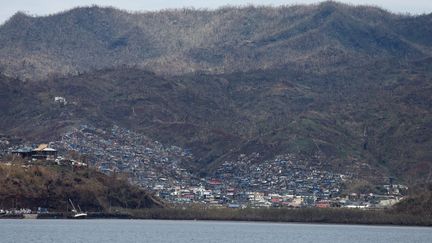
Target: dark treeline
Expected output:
[306,215]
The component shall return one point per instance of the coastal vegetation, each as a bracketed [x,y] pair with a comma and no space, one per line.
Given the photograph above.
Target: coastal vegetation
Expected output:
[418,203]
[304,215]
[415,209]
[51,187]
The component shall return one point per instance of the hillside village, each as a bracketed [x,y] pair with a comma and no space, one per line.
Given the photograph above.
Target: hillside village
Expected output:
[290,106]
[248,181]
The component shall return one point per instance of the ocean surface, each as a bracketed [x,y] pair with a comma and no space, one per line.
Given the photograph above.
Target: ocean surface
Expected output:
[59,231]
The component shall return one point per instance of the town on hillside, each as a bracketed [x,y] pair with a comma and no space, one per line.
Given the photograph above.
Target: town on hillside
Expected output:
[247,181]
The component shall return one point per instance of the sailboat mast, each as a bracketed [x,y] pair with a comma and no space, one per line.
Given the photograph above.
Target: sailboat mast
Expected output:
[72,204]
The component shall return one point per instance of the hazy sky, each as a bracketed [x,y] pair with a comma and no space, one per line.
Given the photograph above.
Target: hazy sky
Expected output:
[44,7]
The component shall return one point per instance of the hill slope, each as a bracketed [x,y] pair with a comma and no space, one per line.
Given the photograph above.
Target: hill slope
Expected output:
[349,85]
[375,114]
[225,40]
[51,187]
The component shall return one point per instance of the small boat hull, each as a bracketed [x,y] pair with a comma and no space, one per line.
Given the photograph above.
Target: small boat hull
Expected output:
[80,216]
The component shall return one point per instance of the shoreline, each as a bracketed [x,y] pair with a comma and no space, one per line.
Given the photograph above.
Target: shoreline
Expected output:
[229,221]
[303,216]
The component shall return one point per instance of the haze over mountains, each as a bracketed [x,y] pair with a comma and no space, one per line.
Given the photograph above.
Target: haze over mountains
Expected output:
[351,85]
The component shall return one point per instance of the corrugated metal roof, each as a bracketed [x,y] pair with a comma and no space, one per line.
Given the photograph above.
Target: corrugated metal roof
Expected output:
[23,150]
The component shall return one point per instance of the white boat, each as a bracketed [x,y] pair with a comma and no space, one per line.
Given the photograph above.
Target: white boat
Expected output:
[77,214]
[80,215]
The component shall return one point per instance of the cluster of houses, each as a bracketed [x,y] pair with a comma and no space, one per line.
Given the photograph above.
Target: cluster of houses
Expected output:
[285,173]
[148,163]
[285,181]
[248,181]
[233,198]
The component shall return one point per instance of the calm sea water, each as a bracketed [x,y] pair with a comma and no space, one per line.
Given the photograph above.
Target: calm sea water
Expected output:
[200,231]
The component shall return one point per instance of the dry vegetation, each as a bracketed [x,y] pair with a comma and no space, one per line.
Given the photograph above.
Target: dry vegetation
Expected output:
[419,202]
[51,187]
[228,39]
[351,84]
[378,115]
[305,215]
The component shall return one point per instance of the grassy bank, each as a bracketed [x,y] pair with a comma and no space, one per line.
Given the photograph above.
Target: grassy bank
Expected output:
[307,215]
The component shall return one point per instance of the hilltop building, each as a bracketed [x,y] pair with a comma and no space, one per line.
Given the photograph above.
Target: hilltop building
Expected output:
[43,151]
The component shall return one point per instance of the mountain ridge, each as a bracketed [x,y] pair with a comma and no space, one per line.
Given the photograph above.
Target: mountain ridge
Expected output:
[224,40]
